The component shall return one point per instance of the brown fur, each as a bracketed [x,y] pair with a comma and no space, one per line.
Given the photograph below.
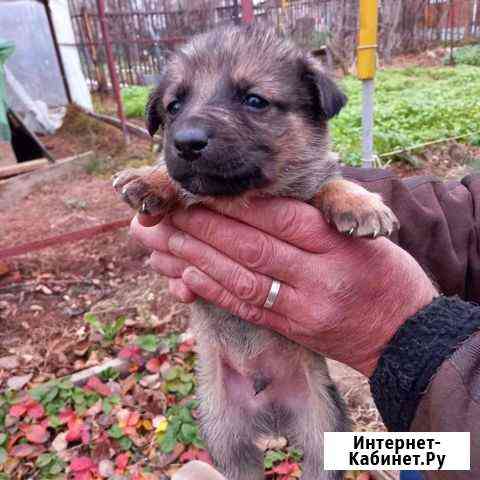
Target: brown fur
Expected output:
[253,382]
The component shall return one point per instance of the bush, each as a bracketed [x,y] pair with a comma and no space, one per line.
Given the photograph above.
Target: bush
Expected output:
[134,101]
[469,55]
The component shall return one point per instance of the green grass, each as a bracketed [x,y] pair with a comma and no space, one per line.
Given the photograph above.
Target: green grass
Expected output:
[134,100]
[413,106]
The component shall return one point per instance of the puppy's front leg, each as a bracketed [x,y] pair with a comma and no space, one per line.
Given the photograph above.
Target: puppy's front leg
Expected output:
[354,210]
[149,190]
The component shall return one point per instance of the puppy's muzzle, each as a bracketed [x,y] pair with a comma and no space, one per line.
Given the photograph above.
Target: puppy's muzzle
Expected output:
[190,142]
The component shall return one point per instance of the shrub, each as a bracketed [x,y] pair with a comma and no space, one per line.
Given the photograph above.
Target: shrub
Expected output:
[469,55]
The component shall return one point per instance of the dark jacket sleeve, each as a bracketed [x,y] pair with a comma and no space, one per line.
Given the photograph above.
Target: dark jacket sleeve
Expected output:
[440,224]
[428,378]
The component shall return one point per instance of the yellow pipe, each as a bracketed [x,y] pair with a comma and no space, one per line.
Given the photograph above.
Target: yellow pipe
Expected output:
[367,40]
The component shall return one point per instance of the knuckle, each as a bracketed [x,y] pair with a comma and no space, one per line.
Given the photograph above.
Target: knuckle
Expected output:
[245,285]
[224,299]
[257,252]
[207,225]
[285,220]
[250,313]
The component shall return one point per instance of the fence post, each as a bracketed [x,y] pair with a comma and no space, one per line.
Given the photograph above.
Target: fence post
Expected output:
[247,11]
[366,68]
[111,68]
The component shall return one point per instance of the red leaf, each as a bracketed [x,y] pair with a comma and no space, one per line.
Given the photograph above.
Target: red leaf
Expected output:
[187,346]
[81,464]
[204,456]
[285,468]
[23,450]
[85,435]
[154,364]
[18,410]
[121,461]
[131,353]
[37,434]
[67,415]
[188,456]
[133,419]
[36,410]
[84,475]
[95,384]
[75,427]
[194,453]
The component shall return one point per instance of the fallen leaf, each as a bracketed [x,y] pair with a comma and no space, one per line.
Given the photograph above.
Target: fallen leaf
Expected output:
[18,410]
[106,469]
[80,464]
[22,451]
[187,346]
[121,461]
[96,385]
[9,363]
[131,353]
[154,364]
[35,411]
[18,382]
[4,269]
[66,415]
[37,434]
[60,443]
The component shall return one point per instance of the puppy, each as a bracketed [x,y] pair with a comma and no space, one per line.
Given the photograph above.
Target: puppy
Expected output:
[244,113]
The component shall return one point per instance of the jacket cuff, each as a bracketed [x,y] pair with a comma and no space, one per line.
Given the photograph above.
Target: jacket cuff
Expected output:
[414,355]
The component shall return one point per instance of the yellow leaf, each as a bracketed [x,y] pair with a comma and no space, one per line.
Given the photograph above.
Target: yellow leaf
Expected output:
[145,424]
[162,427]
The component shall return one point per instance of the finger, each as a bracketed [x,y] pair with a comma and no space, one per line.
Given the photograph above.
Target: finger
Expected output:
[149,220]
[156,237]
[245,245]
[208,289]
[180,291]
[167,264]
[245,285]
[292,221]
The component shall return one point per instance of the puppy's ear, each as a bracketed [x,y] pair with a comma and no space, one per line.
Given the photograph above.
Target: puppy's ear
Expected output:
[327,97]
[154,112]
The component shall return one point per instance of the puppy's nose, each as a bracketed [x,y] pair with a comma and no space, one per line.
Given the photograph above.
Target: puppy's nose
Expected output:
[191,141]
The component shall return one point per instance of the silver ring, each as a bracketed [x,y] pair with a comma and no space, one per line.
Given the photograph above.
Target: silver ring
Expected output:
[272,294]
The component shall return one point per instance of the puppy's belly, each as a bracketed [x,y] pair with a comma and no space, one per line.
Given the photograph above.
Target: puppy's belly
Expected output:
[256,367]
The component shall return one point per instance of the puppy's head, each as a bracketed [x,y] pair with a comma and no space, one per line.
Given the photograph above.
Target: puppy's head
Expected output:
[240,107]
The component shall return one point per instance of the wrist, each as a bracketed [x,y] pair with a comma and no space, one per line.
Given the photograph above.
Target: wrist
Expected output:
[406,292]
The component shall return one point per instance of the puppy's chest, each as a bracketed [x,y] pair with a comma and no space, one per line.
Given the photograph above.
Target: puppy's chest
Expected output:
[234,337]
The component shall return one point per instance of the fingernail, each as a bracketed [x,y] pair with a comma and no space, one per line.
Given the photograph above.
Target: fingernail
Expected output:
[192,276]
[176,241]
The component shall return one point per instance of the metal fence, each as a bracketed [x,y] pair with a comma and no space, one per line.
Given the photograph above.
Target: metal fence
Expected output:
[143,32]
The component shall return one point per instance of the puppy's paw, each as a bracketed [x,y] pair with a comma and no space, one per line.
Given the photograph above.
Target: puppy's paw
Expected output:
[367,219]
[356,211]
[145,190]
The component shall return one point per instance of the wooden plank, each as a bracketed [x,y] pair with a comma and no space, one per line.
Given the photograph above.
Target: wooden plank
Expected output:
[15,188]
[24,167]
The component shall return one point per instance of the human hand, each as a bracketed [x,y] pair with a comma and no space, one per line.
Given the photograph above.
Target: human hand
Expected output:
[340,296]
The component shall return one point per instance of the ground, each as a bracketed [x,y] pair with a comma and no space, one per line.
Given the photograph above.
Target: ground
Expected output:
[44,297]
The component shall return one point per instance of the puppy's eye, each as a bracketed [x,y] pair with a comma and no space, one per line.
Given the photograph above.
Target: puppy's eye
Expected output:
[256,102]
[174,107]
